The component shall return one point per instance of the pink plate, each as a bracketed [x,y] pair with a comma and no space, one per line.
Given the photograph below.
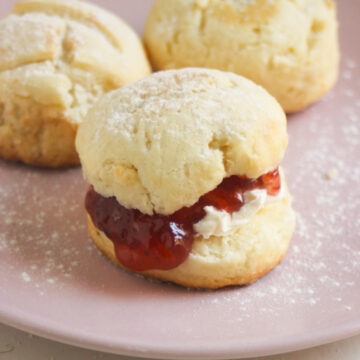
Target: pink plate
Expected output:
[54,283]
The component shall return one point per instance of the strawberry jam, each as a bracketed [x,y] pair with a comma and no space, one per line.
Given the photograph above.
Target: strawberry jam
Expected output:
[144,242]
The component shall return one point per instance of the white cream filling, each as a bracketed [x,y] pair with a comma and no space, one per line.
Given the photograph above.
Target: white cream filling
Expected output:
[221,223]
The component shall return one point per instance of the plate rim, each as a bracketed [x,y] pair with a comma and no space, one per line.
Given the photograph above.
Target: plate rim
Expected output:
[39,326]
[197,349]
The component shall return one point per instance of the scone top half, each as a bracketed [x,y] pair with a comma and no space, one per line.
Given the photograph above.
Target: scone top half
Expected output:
[185,182]
[56,59]
[161,143]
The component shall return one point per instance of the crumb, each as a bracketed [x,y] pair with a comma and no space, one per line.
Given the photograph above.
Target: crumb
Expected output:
[332,173]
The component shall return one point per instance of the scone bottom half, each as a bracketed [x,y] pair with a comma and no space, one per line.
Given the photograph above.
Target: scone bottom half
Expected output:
[57,59]
[230,235]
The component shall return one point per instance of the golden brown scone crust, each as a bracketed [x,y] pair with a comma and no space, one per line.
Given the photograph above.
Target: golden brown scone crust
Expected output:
[288,46]
[58,58]
[162,142]
[239,259]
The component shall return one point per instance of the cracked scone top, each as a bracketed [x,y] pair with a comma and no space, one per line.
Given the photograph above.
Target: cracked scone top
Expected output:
[159,144]
[57,58]
[185,184]
[290,47]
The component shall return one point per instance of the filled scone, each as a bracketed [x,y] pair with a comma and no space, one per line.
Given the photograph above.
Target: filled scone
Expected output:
[56,59]
[290,47]
[185,178]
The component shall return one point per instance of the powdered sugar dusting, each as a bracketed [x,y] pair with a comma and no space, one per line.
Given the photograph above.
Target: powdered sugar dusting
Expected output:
[34,221]
[25,276]
[323,171]
[208,95]
[46,255]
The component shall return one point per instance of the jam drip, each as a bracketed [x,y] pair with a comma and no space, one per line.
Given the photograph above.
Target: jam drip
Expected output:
[144,242]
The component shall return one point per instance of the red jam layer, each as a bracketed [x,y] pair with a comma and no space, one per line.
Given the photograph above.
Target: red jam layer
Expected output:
[145,242]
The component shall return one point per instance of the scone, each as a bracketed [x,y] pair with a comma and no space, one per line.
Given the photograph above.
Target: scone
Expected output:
[56,59]
[290,47]
[185,184]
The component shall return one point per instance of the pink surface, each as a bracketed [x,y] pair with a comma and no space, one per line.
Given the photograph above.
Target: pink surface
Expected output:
[53,282]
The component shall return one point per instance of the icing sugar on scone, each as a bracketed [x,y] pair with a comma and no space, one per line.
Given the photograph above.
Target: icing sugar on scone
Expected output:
[166,155]
[57,58]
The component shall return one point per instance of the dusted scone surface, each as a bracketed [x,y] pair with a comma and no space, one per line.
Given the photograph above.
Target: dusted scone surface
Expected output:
[251,251]
[288,46]
[56,59]
[158,144]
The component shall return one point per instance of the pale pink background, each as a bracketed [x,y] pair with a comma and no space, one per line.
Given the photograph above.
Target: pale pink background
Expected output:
[54,283]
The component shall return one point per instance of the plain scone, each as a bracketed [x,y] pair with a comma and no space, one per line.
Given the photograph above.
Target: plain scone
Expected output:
[290,47]
[56,59]
[159,144]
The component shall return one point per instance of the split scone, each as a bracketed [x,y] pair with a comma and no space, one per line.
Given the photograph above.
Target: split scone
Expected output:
[290,47]
[56,59]
[185,178]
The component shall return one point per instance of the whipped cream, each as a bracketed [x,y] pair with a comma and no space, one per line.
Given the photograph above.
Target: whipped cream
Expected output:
[220,222]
